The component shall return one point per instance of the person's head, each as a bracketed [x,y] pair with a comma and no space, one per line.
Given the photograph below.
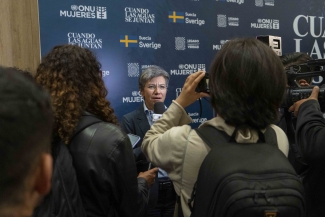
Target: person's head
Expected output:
[153,84]
[72,76]
[297,58]
[26,73]
[247,83]
[26,121]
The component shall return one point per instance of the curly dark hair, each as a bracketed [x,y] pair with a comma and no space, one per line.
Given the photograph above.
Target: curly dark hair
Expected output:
[72,76]
[247,83]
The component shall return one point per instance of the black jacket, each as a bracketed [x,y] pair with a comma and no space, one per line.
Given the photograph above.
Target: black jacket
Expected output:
[106,171]
[310,136]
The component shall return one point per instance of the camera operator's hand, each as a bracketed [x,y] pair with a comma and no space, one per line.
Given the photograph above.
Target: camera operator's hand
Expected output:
[295,107]
[149,175]
[188,94]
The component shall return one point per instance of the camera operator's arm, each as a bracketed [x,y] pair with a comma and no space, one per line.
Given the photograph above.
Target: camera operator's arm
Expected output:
[163,144]
[310,128]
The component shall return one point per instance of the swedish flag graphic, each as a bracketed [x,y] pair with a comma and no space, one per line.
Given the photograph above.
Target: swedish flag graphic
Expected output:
[176,17]
[128,41]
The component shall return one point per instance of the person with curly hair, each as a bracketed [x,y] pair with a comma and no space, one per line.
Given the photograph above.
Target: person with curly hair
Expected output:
[85,122]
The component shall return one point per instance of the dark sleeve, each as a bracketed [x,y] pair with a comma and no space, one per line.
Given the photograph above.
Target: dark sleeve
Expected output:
[128,188]
[126,125]
[310,132]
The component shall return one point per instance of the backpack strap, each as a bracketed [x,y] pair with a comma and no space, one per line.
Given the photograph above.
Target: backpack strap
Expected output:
[179,205]
[270,136]
[210,135]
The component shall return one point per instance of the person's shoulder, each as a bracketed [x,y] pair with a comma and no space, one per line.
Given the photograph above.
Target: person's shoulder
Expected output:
[133,113]
[104,129]
[108,135]
[110,129]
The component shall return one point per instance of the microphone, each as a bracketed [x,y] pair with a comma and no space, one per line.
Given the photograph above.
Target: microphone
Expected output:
[158,109]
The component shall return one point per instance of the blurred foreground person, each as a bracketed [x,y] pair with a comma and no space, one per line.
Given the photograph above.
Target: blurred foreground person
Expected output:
[242,96]
[26,120]
[85,122]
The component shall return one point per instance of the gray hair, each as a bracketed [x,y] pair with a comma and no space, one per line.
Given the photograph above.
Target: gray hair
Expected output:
[150,73]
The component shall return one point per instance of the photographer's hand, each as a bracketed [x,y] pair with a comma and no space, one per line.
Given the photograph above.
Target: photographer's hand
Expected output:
[295,107]
[188,94]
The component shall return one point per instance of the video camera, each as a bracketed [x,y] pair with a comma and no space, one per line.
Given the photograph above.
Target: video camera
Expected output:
[295,92]
[309,69]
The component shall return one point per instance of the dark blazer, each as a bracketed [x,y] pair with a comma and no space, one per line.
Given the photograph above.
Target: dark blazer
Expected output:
[136,122]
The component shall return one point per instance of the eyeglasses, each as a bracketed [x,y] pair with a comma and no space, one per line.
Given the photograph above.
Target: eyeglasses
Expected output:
[154,87]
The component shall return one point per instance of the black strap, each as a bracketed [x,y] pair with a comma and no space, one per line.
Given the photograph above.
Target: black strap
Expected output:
[180,210]
[191,200]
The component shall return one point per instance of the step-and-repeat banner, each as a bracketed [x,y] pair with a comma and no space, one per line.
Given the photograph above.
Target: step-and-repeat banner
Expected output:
[181,36]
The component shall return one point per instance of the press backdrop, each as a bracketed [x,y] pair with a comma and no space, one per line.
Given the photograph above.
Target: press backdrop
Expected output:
[181,36]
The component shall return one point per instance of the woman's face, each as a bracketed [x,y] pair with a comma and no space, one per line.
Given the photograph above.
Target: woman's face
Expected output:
[154,91]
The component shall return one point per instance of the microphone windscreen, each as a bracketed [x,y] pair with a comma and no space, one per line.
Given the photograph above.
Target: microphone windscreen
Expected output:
[159,108]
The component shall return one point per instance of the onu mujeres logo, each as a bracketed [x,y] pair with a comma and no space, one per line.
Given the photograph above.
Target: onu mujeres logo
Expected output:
[83,11]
